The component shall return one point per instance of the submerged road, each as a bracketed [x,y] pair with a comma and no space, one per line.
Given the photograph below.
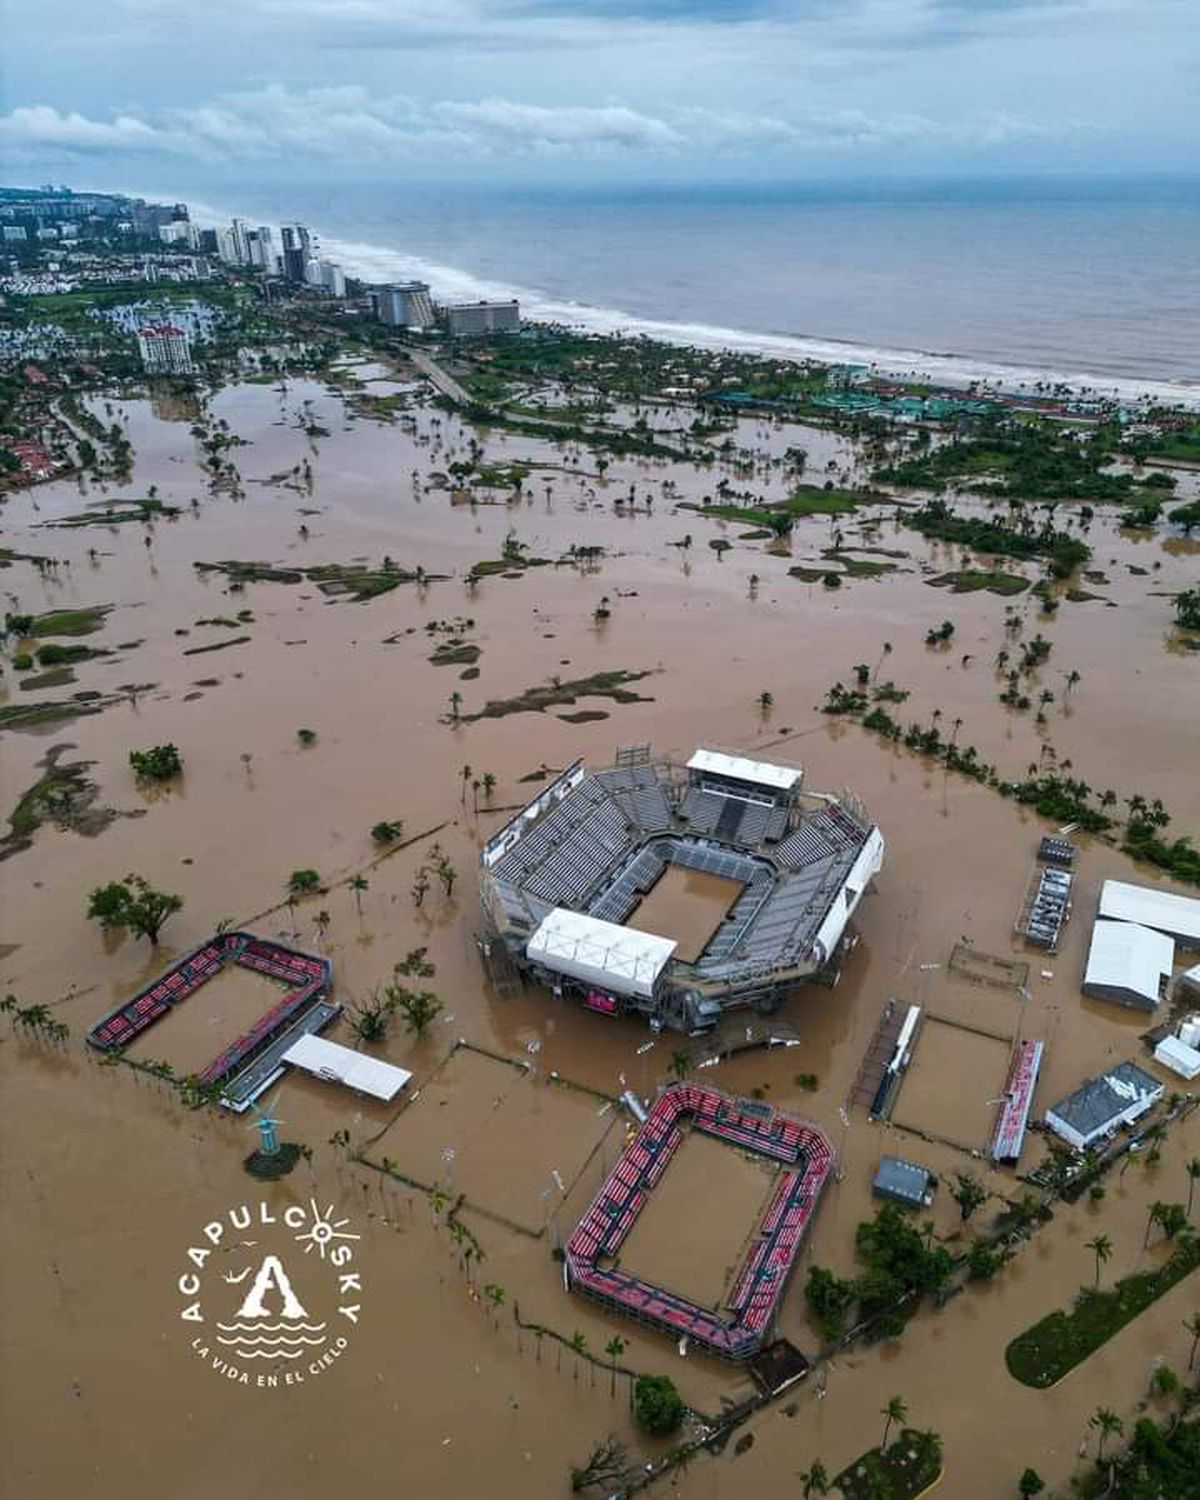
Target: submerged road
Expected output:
[446,384]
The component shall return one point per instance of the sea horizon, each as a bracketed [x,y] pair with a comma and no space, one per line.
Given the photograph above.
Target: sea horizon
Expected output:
[1085,282]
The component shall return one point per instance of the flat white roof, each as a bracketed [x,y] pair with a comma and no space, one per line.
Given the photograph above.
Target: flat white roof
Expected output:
[338,1064]
[760,772]
[1178,915]
[1125,956]
[614,958]
[1178,1056]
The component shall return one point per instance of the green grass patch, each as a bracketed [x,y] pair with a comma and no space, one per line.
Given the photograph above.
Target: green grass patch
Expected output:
[40,681]
[536,700]
[902,1471]
[237,640]
[70,621]
[971,580]
[1043,1354]
[456,654]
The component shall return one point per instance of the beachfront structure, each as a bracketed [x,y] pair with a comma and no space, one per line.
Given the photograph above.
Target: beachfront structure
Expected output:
[1128,964]
[1009,1134]
[591,1262]
[165,349]
[470,319]
[1177,916]
[405,304]
[904,1182]
[1102,1105]
[678,891]
[250,1063]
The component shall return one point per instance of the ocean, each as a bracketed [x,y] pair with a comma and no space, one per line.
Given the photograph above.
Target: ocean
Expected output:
[1092,283]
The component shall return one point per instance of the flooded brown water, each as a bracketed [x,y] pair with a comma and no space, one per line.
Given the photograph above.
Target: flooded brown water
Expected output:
[687,905]
[191,1035]
[952,1088]
[692,1234]
[105,1177]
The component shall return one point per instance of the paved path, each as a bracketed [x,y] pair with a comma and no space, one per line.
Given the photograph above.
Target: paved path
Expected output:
[446,384]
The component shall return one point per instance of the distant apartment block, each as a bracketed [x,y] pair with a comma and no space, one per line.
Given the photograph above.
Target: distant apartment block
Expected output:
[333,278]
[165,350]
[468,319]
[406,304]
[14,233]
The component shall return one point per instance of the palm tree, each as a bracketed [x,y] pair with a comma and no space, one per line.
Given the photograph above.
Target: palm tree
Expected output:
[1030,1484]
[815,1480]
[614,1349]
[894,1411]
[1107,1424]
[489,786]
[455,704]
[1193,1327]
[887,651]
[1157,1214]
[465,776]
[579,1345]
[358,884]
[1193,1171]
[1102,1248]
[766,701]
[681,1065]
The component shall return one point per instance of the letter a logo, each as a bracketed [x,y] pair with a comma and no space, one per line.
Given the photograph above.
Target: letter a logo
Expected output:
[271,1275]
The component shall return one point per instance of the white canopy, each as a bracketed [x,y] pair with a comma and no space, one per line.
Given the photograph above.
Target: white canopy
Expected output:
[1162,910]
[613,958]
[338,1064]
[758,772]
[1126,962]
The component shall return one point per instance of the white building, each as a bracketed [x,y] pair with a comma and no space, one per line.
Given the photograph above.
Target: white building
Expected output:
[469,319]
[406,304]
[1128,964]
[613,960]
[333,278]
[1101,1105]
[1178,916]
[165,350]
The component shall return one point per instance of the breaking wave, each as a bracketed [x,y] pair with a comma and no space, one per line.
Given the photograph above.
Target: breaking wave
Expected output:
[378,263]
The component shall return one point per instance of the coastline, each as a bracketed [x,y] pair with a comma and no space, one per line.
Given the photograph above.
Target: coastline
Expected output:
[380,263]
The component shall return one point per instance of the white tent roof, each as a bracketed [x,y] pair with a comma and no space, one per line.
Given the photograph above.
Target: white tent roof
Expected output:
[337,1064]
[1124,956]
[1178,915]
[759,772]
[601,953]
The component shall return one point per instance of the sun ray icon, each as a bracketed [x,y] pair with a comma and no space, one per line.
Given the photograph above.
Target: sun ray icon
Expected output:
[324,1231]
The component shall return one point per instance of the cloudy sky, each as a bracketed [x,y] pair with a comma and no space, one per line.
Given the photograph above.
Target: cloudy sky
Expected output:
[112,92]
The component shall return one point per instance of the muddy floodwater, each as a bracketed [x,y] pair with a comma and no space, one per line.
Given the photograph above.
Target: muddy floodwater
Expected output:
[460,1374]
[697,1224]
[687,905]
[193,1034]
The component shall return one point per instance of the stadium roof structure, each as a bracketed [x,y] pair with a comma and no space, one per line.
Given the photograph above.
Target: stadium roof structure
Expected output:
[737,768]
[1127,963]
[620,959]
[355,1070]
[1179,916]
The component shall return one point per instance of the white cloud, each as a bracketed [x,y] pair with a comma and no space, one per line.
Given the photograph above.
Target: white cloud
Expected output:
[350,123]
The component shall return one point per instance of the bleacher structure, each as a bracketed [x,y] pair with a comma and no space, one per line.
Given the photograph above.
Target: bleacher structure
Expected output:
[597,842]
[239,1068]
[592,1256]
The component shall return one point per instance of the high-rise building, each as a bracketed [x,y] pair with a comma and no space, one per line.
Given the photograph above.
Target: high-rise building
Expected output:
[333,278]
[406,304]
[165,349]
[468,319]
[299,247]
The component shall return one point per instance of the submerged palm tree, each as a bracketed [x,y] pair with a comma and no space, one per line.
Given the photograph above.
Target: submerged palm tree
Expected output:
[1101,1247]
[894,1411]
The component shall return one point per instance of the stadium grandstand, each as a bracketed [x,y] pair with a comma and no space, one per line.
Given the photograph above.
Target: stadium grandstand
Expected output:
[570,884]
[739,1328]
